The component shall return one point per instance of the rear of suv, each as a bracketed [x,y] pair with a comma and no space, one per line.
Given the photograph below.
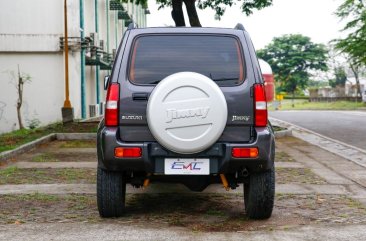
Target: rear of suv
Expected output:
[186,105]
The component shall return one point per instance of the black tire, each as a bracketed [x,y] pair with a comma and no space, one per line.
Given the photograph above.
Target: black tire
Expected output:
[259,195]
[111,193]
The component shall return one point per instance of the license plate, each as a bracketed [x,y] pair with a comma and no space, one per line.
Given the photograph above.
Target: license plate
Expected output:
[187,166]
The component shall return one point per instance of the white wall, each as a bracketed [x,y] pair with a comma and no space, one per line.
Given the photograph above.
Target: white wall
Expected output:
[24,25]
[31,16]
[28,40]
[42,96]
[29,36]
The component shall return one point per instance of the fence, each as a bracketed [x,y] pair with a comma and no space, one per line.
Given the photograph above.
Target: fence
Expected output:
[333,99]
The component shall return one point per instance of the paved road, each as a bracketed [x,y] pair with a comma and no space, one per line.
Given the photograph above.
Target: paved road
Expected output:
[346,126]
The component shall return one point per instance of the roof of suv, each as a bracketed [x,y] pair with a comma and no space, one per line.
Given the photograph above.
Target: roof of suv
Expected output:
[209,30]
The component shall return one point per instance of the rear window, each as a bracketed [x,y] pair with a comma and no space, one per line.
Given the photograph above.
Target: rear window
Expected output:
[155,57]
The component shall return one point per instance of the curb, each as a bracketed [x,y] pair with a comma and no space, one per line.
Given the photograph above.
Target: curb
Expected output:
[7,155]
[26,147]
[76,136]
[283,133]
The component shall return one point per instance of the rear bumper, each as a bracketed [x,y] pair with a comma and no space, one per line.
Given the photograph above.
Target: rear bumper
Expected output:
[153,154]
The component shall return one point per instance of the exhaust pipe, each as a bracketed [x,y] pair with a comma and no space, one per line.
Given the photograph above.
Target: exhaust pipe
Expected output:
[245,172]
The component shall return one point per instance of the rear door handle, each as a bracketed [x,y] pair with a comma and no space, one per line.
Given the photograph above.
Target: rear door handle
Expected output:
[140,96]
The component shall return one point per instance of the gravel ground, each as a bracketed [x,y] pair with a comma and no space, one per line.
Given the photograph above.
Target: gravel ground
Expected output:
[194,212]
[14,175]
[297,175]
[283,157]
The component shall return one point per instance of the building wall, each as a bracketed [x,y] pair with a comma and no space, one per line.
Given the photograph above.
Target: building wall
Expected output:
[41,100]
[30,34]
[29,41]
[351,87]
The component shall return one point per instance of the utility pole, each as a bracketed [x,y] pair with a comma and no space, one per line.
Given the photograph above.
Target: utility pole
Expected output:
[67,110]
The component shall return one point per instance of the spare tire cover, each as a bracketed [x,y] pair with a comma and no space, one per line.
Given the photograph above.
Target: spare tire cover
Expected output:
[186,112]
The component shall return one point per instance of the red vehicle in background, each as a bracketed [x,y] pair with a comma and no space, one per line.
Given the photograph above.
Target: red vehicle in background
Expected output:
[268,78]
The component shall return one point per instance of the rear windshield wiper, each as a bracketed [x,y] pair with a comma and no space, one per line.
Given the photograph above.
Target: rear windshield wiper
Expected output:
[154,82]
[218,79]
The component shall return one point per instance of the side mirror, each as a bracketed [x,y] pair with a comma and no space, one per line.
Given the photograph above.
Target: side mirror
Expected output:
[106,82]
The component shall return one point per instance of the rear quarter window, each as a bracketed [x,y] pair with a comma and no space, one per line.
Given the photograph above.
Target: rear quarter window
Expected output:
[154,57]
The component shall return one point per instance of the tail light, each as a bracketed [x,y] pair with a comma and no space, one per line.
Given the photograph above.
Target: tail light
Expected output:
[127,152]
[260,106]
[238,152]
[111,106]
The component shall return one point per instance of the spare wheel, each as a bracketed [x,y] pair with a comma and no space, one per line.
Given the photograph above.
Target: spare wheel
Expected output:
[186,112]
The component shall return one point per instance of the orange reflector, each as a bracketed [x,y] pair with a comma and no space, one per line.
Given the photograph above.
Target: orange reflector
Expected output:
[238,152]
[125,152]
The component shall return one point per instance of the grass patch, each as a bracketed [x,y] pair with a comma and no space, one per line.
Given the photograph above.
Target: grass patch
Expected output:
[278,128]
[44,157]
[16,138]
[306,105]
[79,144]
[215,212]
[355,204]
[40,197]
[40,208]
[61,155]
[283,157]
[13,175]
[8,171]
[297,175]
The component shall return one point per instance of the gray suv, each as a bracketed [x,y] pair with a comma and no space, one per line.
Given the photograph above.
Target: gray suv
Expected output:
[186,105]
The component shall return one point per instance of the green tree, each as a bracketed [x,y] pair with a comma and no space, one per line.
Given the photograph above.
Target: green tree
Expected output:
[340,77]
[291,57]
[317,84]
[217,5]
[354,44]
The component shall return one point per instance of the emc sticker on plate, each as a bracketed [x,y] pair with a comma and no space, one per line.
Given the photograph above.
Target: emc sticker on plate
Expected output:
[187,166]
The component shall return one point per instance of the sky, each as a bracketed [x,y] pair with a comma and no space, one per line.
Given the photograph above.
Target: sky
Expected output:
[312,18]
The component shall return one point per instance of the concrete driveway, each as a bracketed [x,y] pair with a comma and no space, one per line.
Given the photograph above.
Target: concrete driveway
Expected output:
[80,231]
[48,193]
